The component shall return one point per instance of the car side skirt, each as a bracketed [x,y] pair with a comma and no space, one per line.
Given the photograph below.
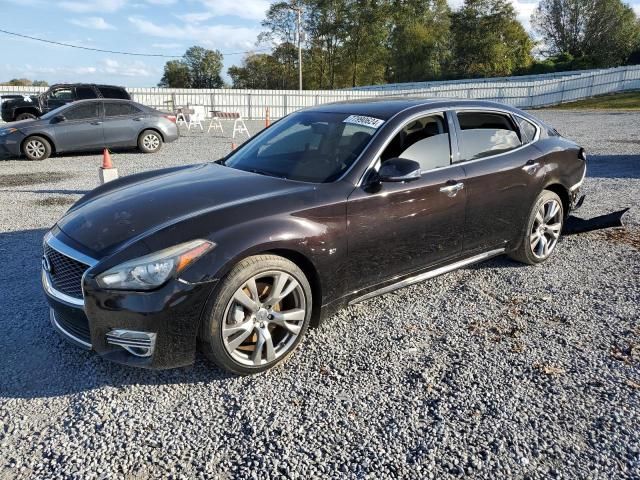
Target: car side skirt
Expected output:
[430,274]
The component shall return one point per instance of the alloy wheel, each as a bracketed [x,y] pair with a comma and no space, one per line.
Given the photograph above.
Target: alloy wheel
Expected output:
[35,148]
[264,318]
[151,141]
[546,229]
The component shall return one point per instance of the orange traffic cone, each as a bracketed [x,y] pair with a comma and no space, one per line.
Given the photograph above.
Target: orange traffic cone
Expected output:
[107,171]
[267,121]
[106,159]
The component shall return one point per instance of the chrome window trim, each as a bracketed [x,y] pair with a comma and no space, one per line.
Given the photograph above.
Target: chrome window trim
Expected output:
[423,113]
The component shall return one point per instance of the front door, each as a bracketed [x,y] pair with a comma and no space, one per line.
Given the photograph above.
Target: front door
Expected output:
[503,178]
[81,129]
[58,97]
[397,228]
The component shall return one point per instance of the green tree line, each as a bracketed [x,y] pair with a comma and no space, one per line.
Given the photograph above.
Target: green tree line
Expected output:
[348,43]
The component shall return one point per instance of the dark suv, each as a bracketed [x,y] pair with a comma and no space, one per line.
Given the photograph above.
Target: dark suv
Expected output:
[27,107]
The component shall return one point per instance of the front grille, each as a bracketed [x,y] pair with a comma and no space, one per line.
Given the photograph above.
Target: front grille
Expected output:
[75,323]
[66,273]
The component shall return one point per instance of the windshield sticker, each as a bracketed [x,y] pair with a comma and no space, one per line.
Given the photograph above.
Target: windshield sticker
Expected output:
[363,120]
[27,99]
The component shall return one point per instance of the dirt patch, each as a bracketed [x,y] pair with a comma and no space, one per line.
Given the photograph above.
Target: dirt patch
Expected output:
[627,236]
[23,179]
[54,201]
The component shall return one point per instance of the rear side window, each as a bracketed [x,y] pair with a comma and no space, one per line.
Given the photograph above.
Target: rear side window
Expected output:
[82,112]
[84,93]
[114,92]
[119,109]
[484,134]
[527,130]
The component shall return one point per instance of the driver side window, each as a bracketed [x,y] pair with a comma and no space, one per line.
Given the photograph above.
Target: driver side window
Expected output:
[61,94]
[424,140]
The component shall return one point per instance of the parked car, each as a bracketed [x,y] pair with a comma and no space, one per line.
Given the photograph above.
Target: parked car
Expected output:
[89,125]
[329,206]
[28,107]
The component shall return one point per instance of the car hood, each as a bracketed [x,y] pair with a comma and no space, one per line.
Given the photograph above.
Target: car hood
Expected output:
[129,209]
[22,124]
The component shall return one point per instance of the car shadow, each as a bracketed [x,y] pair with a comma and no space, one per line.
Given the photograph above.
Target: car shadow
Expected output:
[36,361]
[613,166]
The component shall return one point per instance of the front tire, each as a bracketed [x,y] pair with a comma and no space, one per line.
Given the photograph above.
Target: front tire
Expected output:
[149,141]
[258,315]
[36,148]
[542,231]
[25,116]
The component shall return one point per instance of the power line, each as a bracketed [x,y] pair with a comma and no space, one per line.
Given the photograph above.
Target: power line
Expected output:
[53,42]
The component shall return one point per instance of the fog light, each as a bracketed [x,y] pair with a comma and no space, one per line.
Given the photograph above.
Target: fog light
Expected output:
[140,344]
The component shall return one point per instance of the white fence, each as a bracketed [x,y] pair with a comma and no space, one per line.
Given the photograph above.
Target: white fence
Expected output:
[524,92]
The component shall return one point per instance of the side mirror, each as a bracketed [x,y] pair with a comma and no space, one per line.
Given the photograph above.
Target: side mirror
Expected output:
[59,118]
[399,170]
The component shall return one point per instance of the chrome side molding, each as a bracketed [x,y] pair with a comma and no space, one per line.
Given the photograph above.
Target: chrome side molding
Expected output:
[430,274]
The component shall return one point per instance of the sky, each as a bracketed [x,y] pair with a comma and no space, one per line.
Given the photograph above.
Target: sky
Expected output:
[166,27]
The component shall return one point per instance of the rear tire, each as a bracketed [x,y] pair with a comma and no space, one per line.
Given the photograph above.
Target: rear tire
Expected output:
[36,148]
[149,141]
[25,116]
[257,316]
[542,231]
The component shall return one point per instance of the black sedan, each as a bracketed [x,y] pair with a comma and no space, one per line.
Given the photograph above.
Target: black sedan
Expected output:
[329,206]
[89,125]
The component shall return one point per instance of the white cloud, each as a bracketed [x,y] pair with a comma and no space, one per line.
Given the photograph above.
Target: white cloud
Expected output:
[94,23]
[166,46]
[93,5]
[221,36]
[161,2]
[135,69]
[248,9]
[195,17]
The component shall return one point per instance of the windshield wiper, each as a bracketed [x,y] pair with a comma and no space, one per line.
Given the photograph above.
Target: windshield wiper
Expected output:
[264,172]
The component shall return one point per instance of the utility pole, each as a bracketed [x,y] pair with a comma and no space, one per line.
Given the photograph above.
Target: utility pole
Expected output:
[299,10]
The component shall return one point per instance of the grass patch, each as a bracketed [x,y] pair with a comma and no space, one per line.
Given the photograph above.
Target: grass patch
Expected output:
[23,179]
[616,101]
[54,201]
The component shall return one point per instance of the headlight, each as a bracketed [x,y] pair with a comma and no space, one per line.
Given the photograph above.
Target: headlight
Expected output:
[151,271]
[7,131]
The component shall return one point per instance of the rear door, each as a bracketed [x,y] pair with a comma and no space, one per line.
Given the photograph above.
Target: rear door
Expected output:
[122,123]
[81,129]
[398,228]
[503,176]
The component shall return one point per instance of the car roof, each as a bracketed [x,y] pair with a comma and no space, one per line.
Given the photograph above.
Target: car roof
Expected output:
[386,107]
[82,84]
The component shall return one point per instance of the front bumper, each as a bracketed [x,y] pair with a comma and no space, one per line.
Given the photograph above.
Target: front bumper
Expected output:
[168,318]
[10,145]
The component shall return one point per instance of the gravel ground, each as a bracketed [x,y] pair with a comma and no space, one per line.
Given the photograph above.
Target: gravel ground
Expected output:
[494,371]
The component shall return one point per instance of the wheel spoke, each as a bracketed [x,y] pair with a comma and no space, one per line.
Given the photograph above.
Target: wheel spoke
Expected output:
[253,289]
[244,331]
[256,358]
[539,218]
[535,239]
[554,229]
[244,300]
[542,246]
[283,285]
[268,341]
[552,210]
[294,315]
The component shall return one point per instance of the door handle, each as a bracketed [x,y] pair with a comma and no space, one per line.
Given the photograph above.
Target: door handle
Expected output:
[96,123]
[138,119]
[453,189]
[531,167]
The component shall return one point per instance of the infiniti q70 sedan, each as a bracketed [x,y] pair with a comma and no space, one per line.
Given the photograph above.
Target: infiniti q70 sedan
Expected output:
[329,206]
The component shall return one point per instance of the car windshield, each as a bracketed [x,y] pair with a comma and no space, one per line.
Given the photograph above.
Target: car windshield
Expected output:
[307,146]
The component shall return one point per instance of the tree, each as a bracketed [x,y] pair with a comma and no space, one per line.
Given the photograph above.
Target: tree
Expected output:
[198,68]
[25,82]
[605,32]
[40,83]
[420,41]
[204,66]
[176,75]
[488,40]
